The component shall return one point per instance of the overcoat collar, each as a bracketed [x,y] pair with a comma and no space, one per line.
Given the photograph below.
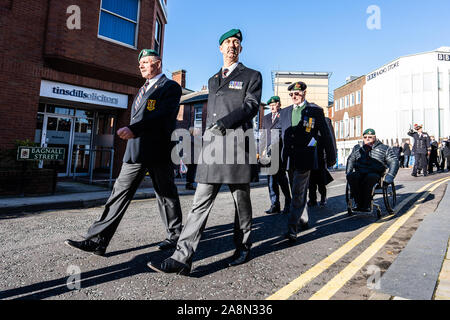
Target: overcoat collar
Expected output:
[217,85]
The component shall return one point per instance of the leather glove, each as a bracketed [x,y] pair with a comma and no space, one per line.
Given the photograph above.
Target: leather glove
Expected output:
[218,128]
[389,178]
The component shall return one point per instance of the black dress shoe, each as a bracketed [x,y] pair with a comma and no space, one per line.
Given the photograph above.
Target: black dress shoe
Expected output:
[273,209]
[170,266]
[292,238]
[414,174]
[97,248]
[358,209]
[167,244]
[304,225]
[323,202]
[239,257]
[286,209]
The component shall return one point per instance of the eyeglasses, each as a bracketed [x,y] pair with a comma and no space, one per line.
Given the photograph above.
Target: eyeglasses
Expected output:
[369,137]
[295,94]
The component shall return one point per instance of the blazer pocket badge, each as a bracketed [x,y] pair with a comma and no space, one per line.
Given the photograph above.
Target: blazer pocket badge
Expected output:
[151,105]
[237,85]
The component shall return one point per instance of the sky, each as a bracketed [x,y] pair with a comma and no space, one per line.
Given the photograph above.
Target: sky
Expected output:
[297,35]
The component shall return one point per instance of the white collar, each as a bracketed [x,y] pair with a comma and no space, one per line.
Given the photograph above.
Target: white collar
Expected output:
[231,68]
[300,105]
[152,81]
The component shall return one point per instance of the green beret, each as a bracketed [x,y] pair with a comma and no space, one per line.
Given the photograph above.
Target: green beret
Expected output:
[273,99]
[369,131]
[232,33]
[147,52]
[301,86]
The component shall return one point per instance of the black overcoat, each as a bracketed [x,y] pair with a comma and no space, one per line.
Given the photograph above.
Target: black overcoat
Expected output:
[234,101]
[299,150]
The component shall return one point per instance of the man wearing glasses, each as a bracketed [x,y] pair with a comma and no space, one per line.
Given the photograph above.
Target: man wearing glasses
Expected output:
[303,126]
[365,167]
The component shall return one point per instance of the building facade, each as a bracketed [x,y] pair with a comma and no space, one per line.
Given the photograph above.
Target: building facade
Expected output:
[69,73]
[317,82]
[346,115]
[410,90]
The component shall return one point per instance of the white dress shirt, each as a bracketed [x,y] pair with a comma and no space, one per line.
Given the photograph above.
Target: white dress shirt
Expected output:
[153,80]
[230,68]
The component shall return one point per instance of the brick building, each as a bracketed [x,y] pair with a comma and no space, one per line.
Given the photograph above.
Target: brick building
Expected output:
[69,73]
[347,116]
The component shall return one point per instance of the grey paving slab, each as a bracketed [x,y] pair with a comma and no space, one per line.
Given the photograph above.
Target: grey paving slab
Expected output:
[414,273]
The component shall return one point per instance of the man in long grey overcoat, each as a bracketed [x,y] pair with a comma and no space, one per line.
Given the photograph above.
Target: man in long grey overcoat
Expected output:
[233,101]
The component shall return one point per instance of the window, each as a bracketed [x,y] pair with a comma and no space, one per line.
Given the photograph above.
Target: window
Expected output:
[428,81]
[341,131]
[358,97]
[336,105]
[119,21]
[341,104]
[358,126]
[158,33]
[336,129]
[440,80]
[346,101]
[198,110]
[405,84]
[352,99]
[416,83]
[352,127]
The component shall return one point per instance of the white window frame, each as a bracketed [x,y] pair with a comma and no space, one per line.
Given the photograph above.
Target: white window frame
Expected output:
[196,122]
[352,99]
[358,97]
[119,16]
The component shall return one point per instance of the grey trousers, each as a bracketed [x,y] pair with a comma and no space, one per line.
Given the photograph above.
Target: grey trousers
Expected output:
[298,213]
[205,195]
[130,177]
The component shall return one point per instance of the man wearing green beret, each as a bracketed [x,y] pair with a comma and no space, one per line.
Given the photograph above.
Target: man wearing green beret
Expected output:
[233,101]
[278,180]
[365,167]
[303,127]
[153,119]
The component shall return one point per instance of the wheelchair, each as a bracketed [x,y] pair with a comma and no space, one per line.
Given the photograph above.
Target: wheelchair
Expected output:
[389,197]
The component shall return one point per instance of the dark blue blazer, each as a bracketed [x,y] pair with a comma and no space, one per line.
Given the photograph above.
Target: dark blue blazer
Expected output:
[296,154]
[153,123]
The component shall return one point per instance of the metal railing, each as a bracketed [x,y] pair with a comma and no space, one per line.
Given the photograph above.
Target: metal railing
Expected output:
[91,163]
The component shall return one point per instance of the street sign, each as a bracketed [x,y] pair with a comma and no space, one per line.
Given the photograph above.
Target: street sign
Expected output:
[39,153]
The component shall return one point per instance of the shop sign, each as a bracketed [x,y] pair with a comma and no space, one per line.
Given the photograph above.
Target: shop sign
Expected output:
[69,92]
[40,153]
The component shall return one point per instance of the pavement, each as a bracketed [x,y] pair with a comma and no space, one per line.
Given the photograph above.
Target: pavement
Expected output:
[420,272]
[72,194]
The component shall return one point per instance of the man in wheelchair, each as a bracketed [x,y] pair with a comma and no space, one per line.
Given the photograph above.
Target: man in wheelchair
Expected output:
[366,166]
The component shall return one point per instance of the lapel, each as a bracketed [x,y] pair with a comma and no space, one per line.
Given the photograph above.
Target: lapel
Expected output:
[289,114]
[277,119]
[216,81]
[237,71]
[149,93]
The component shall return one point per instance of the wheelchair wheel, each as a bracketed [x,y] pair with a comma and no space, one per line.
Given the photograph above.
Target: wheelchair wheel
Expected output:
[390,197]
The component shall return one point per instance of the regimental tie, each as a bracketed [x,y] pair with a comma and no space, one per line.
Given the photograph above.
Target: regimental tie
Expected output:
[140,94]
[274,116]
[225,73]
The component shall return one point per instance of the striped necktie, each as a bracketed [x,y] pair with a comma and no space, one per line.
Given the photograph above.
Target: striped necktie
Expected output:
[140,94]
[225,73]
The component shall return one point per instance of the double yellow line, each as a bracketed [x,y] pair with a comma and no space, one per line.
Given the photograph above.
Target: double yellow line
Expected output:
[345,275]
